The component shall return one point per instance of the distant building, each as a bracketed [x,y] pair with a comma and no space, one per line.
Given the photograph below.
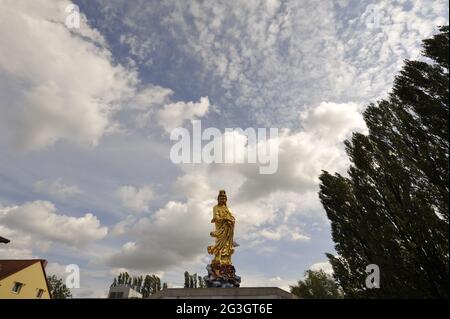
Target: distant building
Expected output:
[3,240]
[123,292]
[23,279]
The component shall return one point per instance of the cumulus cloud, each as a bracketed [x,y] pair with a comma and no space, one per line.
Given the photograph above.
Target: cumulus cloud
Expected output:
[41,221]
[194,185]
[325,266]
[303,155]
[63,84]
[19,247]
[56,188]
[173,115]
[177,232]
[284,231]
[151,97]
[265,204]
[333,121]
[134,198]
[55,83]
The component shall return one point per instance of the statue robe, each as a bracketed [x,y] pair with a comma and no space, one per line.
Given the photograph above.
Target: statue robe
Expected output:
[224,232]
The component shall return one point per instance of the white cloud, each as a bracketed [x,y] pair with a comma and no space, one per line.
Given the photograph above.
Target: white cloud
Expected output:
[261,280]
[54,268]
[56,188]
[194,185]
[134,198]
[151,97]
[325,266]
[333,121]
[172,115]
[303,155]
[19,246]
[283,231]
[177,232]
[41,221]
[123,226]
[63,84]
[55,83]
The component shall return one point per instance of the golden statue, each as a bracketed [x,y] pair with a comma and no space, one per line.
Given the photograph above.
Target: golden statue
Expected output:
[221,269]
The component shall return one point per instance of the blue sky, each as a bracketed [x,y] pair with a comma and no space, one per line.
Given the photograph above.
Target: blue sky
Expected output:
[85,173]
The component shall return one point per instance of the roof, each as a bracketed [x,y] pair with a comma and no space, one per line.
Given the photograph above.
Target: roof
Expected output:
[11,266]
[4,240]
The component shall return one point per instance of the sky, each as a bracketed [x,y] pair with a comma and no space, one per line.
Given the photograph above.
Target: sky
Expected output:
[86,114]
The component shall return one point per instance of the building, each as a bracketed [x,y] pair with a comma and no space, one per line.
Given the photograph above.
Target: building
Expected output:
[23,279]
[123,292]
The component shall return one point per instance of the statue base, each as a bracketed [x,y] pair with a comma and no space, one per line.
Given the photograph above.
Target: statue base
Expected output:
[219,293]
[221,276]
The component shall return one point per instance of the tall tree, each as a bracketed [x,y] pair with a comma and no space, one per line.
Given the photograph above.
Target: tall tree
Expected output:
[317,285]
[194,278]
[392,209]
[58,290]
[193,281]
[146,286]
[186,279]
[158,283]
[146,289]
[201,282]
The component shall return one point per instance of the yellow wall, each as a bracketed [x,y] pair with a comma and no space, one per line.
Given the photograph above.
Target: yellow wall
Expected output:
[32,277]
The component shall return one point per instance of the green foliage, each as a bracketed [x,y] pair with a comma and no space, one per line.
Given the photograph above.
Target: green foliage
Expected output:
[193,281]
[201,282]
[58,290]
[317,285]
[392,209]
[186,280]
[146,286]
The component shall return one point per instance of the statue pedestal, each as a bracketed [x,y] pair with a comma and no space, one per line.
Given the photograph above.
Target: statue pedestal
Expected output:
[223,293]
[221,276]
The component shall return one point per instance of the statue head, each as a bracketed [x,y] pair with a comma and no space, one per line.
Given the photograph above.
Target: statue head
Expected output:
[222,198]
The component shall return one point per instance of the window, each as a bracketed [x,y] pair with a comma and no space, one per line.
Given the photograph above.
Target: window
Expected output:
[17,287]
[39,293]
